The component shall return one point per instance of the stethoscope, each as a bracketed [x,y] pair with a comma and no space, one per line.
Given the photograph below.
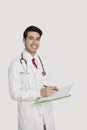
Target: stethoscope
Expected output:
[26,69]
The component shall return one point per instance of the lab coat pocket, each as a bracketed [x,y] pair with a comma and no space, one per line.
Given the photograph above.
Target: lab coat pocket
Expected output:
[25,110]
[25,79]
[23,75]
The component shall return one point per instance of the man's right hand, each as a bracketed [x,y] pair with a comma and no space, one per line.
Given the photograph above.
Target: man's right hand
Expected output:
[48,91]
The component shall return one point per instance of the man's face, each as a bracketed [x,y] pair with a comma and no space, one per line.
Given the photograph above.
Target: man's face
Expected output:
[32,42]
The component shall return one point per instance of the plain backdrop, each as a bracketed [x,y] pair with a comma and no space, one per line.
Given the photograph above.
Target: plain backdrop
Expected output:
[64,44]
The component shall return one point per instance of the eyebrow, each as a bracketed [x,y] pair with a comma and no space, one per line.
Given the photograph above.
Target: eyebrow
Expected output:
[33,37]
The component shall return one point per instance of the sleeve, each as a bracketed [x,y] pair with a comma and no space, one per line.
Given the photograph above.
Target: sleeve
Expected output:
[15,86]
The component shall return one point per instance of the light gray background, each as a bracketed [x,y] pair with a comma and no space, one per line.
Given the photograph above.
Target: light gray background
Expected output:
[64,24]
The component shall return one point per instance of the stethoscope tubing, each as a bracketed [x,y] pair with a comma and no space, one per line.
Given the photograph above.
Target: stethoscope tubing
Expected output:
[23,59]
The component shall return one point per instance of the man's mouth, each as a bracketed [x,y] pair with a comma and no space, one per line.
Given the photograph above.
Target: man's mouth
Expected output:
[33,46]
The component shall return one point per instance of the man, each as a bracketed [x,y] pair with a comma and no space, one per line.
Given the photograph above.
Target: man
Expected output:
[28,77]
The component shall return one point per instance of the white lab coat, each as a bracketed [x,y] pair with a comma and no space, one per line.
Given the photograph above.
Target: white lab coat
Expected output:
[25,89]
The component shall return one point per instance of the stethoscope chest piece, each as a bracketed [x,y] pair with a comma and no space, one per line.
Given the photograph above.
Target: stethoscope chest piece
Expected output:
[43,73]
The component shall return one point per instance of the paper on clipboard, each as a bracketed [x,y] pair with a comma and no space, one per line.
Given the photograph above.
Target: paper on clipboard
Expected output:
[62,92]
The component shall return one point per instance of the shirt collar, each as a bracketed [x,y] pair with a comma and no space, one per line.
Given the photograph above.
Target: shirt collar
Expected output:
[29,57]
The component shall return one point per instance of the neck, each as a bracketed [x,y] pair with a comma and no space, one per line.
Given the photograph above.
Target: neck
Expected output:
[31,53]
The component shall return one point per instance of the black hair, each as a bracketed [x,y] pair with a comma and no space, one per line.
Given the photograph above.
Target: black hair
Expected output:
[32,29]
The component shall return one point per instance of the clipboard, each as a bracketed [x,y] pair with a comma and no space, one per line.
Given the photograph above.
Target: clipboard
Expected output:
[62,93]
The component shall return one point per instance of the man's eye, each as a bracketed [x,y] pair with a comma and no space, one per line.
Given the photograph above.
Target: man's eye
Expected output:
[30,38]
[38,39]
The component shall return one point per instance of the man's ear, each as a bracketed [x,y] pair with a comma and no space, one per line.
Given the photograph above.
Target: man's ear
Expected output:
[23,40]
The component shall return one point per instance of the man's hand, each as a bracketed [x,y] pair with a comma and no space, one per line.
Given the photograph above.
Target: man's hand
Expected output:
[47,91]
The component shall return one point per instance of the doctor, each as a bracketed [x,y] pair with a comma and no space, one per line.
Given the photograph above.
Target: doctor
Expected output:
[27,76]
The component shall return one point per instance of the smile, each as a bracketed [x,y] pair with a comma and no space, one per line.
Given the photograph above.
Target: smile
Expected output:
[33,46]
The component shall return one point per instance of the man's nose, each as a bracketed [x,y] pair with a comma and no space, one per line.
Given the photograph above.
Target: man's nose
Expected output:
[34,41]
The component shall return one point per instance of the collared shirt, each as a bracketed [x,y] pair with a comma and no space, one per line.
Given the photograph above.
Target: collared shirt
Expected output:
[29,58]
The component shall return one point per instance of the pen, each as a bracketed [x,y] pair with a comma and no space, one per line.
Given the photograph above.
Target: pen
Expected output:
[54,88]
